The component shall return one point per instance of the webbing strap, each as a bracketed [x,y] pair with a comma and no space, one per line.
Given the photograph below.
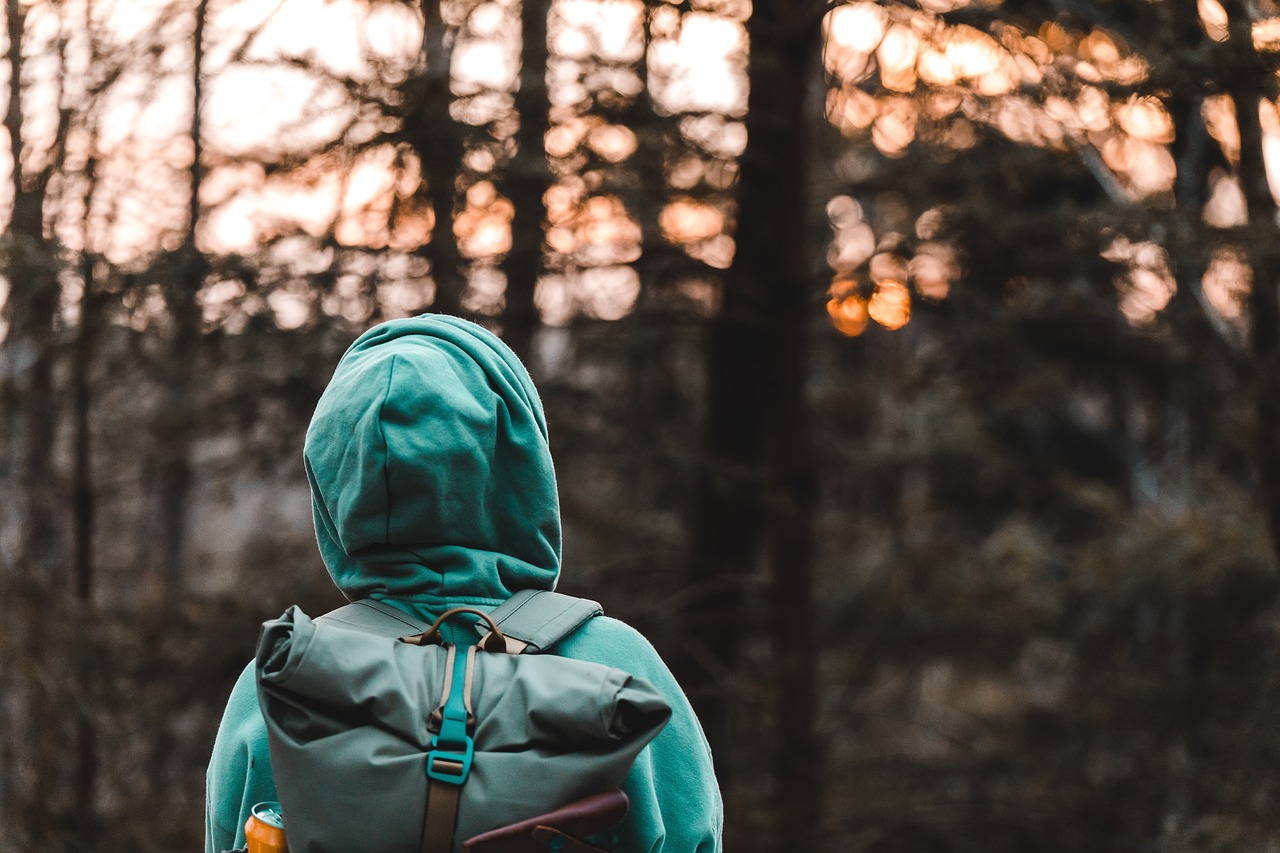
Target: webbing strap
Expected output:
[377,617]
[537,619]
[449,761]
[442,814]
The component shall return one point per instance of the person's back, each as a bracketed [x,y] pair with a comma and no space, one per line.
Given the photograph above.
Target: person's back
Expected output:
[433,487]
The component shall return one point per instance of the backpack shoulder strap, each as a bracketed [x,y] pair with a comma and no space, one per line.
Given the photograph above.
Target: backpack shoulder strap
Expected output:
[377,617]
[534,620]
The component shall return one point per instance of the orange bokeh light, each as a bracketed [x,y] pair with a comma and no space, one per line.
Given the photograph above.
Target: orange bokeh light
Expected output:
[847,308]
[483,228]
[890,305]
[687,220]
[1146,118]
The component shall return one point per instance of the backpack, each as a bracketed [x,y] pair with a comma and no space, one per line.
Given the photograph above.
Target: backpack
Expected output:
[385,739]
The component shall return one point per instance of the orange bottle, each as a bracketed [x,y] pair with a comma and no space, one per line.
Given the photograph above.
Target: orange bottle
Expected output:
[264,830]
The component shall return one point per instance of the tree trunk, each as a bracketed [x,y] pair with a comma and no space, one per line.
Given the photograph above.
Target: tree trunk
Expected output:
[84,511]
[760,472]
[647,196]
[82,500]
[32,303]
[1246,89]
[437,139]
[176,423]
[527,181]
[37,569]
[779,70]
[1193,152]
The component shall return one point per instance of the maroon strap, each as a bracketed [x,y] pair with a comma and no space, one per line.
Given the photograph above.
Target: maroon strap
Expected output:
[569,823]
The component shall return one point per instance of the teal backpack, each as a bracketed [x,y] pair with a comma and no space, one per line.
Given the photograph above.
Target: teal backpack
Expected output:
[386,739]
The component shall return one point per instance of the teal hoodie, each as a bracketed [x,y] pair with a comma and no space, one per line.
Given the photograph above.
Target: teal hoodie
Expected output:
[432,487]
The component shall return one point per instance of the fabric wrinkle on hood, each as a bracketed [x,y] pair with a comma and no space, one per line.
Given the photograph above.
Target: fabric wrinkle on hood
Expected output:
[430,471]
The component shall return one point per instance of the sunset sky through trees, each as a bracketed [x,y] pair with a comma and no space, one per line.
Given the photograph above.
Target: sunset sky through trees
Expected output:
[291,124]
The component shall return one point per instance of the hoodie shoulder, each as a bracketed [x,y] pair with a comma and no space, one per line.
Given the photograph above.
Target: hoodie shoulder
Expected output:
[675,799]
[602,635]
[614,643]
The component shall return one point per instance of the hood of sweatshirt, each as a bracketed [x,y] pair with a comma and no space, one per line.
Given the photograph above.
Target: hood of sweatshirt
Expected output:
[431,476]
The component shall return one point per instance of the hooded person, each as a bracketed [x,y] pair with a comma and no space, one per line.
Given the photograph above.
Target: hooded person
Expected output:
[432,488]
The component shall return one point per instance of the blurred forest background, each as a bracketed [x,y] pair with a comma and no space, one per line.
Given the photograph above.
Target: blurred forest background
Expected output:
[913,371]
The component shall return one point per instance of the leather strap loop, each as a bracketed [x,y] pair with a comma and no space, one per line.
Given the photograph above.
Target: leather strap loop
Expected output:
[494,640]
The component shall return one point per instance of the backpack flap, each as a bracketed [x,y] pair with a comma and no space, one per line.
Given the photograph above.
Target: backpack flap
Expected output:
[348,725]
